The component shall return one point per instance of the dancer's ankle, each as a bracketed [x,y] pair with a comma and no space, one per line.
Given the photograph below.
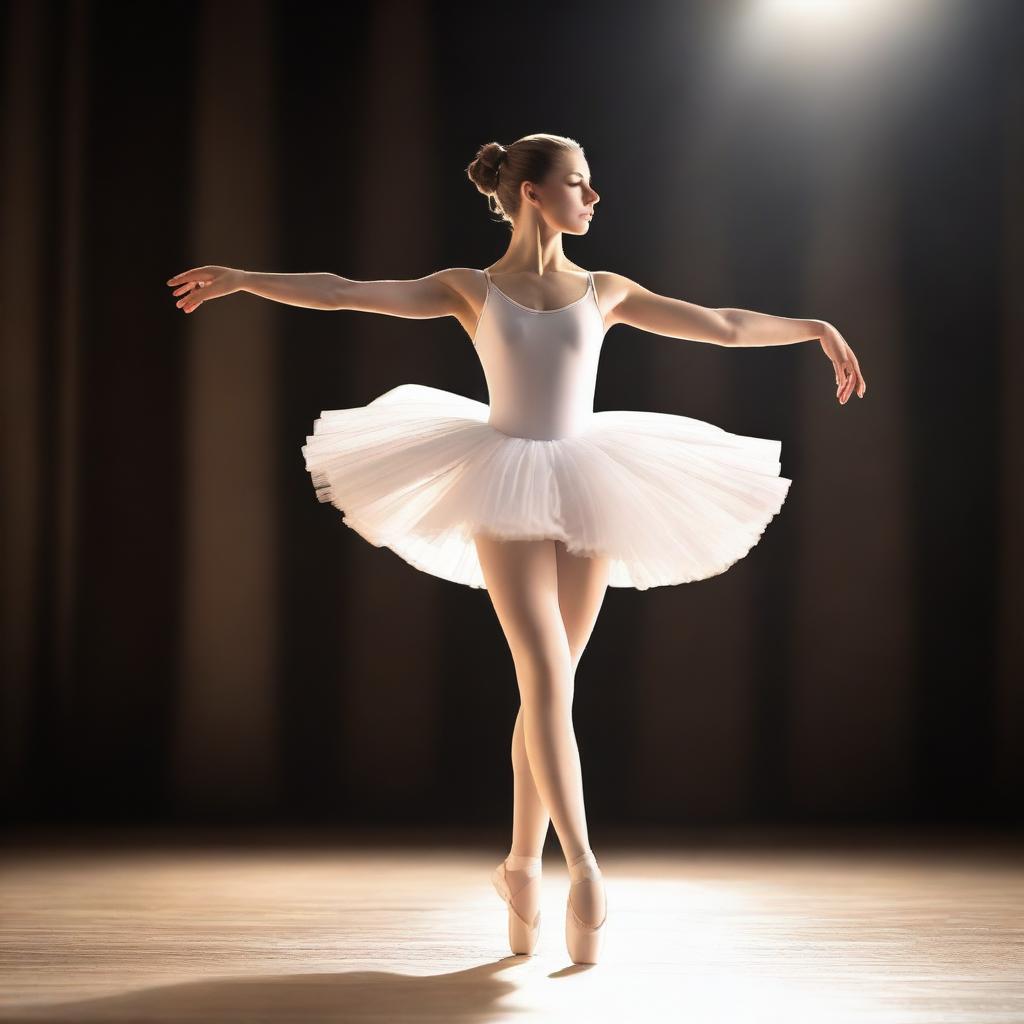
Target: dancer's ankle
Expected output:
[518,862]
[584,866]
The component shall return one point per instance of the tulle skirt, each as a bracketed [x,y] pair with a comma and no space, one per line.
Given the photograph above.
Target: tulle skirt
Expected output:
[668,499]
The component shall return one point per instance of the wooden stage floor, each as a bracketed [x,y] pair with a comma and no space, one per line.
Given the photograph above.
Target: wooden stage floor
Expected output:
[352,926]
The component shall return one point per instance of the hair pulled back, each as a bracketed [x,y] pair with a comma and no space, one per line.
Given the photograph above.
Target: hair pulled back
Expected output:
[498,171]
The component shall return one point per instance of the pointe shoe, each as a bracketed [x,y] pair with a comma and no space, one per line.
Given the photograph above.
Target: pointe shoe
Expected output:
[583,941]
[522,934]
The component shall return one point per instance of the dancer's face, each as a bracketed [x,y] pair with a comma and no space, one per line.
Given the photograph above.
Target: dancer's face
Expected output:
[567,196]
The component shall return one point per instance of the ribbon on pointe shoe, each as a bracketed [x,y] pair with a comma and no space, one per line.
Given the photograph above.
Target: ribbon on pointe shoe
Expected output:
[500,881]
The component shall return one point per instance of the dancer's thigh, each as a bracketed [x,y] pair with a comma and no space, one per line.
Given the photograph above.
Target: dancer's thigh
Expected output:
[522,582]
[582,584]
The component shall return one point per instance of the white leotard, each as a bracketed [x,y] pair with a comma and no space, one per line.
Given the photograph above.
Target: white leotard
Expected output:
[540,364]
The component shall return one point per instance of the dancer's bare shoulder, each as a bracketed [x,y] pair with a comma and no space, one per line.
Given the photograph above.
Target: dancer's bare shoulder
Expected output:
[469,290]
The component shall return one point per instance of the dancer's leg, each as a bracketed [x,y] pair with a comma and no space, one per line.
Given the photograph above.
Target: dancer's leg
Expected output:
[529,815]
[522,581]
[582,584]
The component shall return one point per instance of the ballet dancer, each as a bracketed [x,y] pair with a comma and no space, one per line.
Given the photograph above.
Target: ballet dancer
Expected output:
[533,496]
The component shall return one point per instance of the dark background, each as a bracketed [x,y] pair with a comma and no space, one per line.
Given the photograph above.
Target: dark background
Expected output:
[189,636]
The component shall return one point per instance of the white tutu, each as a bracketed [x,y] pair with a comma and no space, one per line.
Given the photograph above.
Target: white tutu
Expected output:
[667,498]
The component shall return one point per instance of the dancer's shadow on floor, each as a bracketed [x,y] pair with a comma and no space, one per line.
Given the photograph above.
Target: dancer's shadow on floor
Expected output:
[470,995]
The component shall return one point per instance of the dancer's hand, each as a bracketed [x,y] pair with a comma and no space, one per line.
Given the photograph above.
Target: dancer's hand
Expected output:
[844,362]
[203,283]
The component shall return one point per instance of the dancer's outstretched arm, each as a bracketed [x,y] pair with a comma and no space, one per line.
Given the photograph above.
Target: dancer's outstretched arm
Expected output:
[419,298]
[739,328]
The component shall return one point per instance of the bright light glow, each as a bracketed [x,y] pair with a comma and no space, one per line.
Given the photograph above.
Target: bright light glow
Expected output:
[837,21]
[817,42]
[819,9]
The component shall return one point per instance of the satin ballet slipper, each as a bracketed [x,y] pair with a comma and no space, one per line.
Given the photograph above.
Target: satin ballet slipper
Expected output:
[522,934]
[583,941]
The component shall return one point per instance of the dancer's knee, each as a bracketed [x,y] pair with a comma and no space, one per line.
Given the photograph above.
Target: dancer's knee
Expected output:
[545,677]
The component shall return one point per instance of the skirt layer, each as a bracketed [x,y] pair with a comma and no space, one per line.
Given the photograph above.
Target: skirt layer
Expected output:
[668,499]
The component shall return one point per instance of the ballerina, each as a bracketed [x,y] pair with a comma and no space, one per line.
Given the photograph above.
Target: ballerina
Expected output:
[534,496]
